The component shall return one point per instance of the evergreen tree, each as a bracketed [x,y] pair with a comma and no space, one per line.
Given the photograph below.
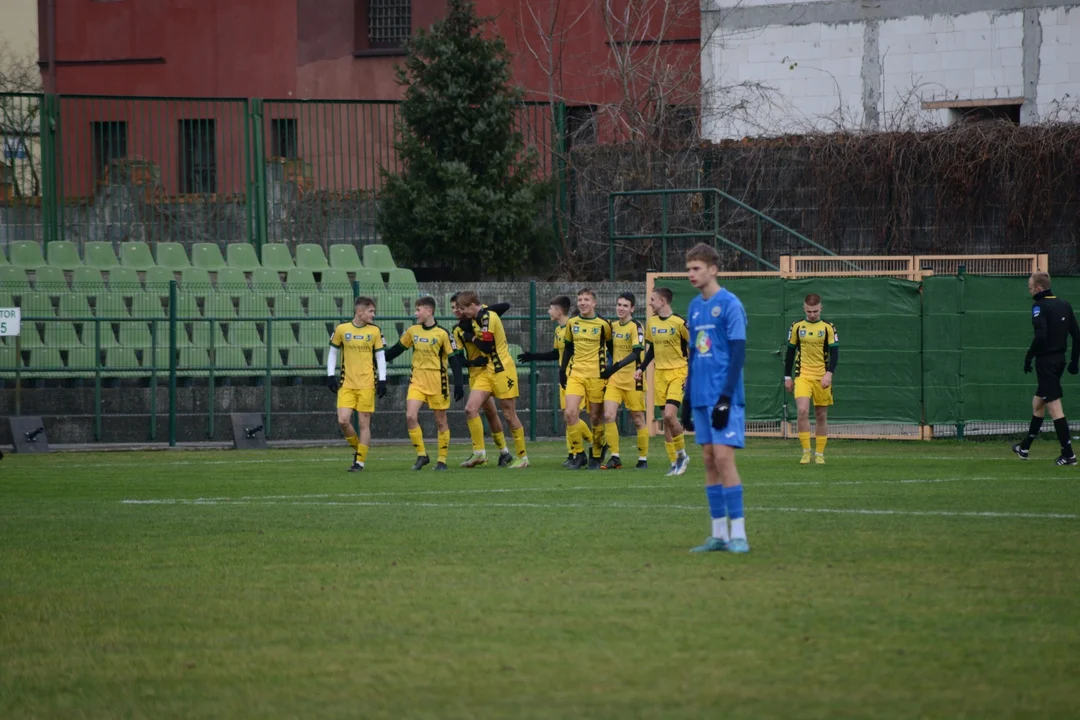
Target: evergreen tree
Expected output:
[467,197]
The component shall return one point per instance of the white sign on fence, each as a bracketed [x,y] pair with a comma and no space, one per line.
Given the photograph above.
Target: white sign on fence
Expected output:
[10,321]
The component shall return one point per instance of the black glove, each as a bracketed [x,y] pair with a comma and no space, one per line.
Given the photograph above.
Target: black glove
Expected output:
[1027,364]
[525,357]
[1074,368]
[607,372]
[686,416]
[721,413]
[380,389]
[562,378]
[459,392]
[480,361]
[333,383]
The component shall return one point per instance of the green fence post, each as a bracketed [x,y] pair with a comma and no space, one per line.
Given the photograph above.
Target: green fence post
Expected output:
[48,168]
[172,363]
[97,381]
[153,379]
[269,388]
[211,386]
[249,173]
[532,365]
[258,156]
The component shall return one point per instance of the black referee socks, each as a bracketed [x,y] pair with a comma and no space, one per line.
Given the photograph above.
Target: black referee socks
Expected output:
[1062,427]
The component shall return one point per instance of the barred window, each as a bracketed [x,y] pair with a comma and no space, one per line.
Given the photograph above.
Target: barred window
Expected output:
[389,22]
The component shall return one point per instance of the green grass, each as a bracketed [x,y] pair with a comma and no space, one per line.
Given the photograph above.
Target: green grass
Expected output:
[294,589]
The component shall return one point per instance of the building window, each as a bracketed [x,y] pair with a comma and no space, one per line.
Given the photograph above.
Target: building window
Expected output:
[198,158]
[971,111]
[283,138]
[110,143]
[389,22]
[580,126]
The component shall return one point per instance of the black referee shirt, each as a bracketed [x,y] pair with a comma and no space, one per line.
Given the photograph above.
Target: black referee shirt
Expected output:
[1053,321]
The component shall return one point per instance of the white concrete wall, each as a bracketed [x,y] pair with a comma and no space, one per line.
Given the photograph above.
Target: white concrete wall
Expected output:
[821,78]
[18,25]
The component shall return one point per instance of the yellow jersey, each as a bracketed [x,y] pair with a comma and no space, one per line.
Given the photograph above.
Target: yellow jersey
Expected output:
[358,345]
[812,341]
[488,326]
[669,338]
[471,351]
[432,348]
[559,343]
[590,337]
[626,338]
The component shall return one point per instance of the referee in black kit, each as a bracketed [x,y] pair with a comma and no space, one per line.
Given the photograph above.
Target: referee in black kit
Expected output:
[1054,322]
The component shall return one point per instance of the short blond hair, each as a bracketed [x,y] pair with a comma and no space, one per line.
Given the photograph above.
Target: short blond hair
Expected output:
[1041,280]
[467,298]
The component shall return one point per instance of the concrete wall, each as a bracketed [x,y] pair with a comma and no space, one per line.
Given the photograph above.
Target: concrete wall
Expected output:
[844,64]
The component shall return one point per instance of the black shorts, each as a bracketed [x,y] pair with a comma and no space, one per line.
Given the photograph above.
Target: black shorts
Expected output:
[1048,371]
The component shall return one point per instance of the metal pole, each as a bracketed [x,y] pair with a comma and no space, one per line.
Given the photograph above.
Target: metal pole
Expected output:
[210,386]
[532,366]
[172,363]
[153,379]
[97,381]
[269,389]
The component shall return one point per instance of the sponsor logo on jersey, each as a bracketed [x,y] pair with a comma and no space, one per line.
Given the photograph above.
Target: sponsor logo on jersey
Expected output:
[703,343]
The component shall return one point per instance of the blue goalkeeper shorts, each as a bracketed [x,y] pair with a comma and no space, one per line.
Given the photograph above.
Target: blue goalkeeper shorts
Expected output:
[733,435]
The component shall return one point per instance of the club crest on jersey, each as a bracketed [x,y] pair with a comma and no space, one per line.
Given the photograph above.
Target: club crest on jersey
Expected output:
[802,332]
[703,343]
[348,337]
[716,311]
[821,333]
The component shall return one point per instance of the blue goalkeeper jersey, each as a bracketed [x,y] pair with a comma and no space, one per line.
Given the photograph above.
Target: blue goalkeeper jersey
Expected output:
[713,324]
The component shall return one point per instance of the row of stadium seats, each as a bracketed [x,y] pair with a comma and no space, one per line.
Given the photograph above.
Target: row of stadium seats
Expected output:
[64,255]
[62,334]
[118,306]
[15,280]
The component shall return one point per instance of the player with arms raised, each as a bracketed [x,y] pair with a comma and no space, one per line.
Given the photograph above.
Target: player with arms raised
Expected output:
[433,351]
[715,403]
[812,353]
[360,345]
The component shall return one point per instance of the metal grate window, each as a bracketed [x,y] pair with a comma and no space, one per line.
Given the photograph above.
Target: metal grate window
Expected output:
[198,156]
[389,22]
[110,143]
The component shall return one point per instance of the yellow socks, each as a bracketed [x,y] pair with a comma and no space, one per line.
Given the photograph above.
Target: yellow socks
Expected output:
[361,454]
[444,445]
[499,438]
[598,439]
[416,434]
[573,436]
[476,432]
[680,443]
[804,440]
[611,433]
[519,441]
[353,440]
[821,444]
[672,453]
[569,446]
[586,431]
[643,443]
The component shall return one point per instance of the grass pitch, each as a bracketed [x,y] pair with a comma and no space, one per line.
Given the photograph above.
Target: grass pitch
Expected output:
[900,580]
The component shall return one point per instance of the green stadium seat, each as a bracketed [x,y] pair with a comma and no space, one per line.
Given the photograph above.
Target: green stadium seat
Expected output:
[187,306]
[245,334]
[254,307]
[158,279]
[87,280]
[232,280]
[277,361]
[219,307]
[266,282]
[136,255]
[171,255]
[136,335]
[301,281]
[100,255]
[378,257]
[401,276]
[6,300]
[111,305]
[344,257]
[75,306]
[201,334]
[368,276]
[192,361]
[3,256]
[242,256]
[45,362]
[124,280]
[195,280]
[26,254]
[63,254]
[30,336]
[82,361]
[50,280]
[281,333]
[325,306]
[288,306]
[13,280]
[99,332]
[207,256]
[230,361]
[62,335]
[335,281]
[313,334]
[162,333]
[37,305]
[276,256]
[10,360]
[303,361]
[148,307]
[122,362]
[310,256]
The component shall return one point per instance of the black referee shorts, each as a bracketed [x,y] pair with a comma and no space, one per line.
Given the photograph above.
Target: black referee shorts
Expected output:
[1048,372]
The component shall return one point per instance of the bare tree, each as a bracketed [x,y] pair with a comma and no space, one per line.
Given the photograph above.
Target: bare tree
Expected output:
[20,126]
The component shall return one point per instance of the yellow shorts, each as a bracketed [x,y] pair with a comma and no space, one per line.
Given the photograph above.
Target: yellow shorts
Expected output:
[592,389]
[504,385]
[360,400]
[668,385]
[435,402]
[562,398]
[811,388]
[634,400]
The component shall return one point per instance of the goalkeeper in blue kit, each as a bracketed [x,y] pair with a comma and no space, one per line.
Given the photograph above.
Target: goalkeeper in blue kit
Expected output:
[714,406]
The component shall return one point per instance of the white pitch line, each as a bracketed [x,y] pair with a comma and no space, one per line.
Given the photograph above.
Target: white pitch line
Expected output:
[626,506]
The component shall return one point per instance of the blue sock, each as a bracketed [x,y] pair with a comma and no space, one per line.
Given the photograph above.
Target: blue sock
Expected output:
[717,507]
[733,501]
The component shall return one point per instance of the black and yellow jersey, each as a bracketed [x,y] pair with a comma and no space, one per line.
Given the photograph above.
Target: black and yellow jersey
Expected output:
[590,337]
[669,338]
[358,345]
[811,341]
[625,339]
[488,327]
